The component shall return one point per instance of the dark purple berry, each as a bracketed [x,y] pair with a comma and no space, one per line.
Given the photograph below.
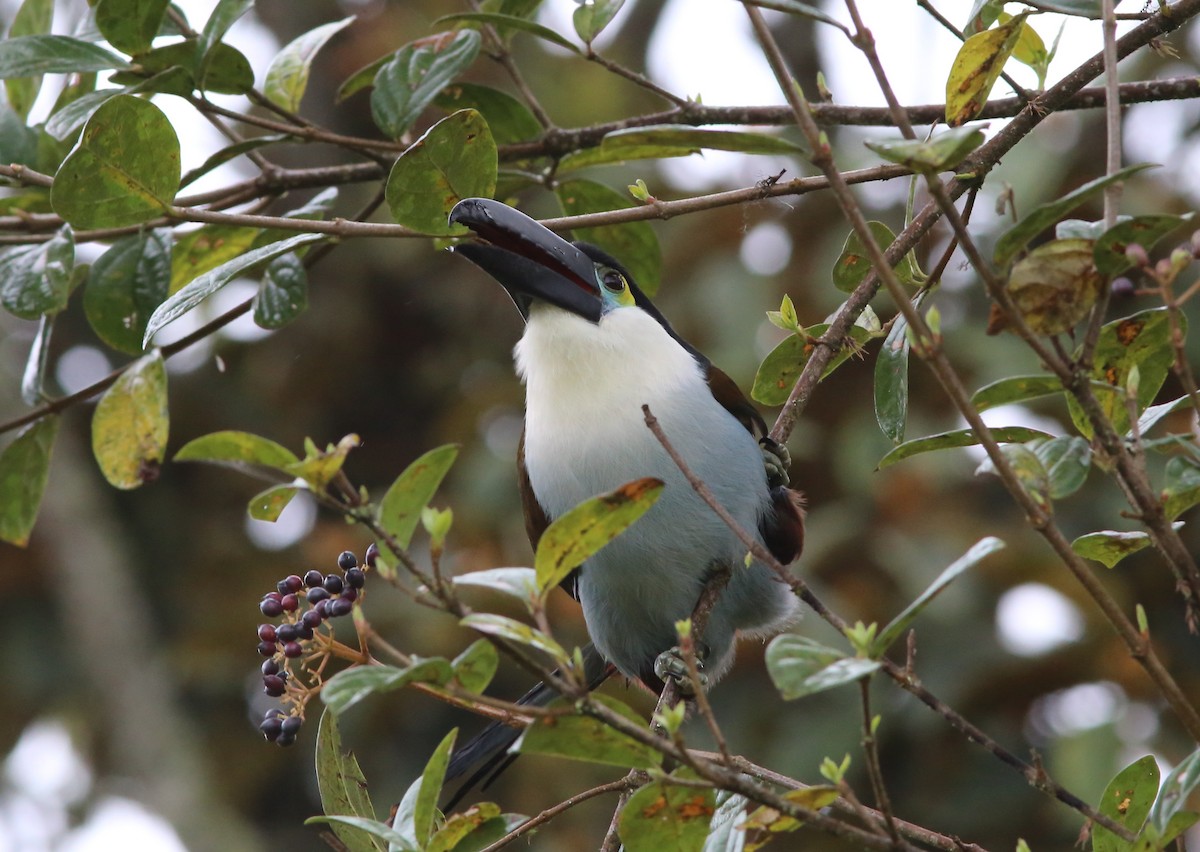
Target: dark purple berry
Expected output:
[291,725]
[292,650]
[340,607]
[293,582]
[322,608]
[274,686]
[371,555]
[333,584]
[303,631]
[347,560]
[286,633]
[282,588]
[266,632]
[315,596]
[283,740]
[270,667]
[271,728]
[350,595]
[271,608]
[314,578]
[1123,288]
[267,649]
[312,619]
[355,578]
[289,603]
[272,596]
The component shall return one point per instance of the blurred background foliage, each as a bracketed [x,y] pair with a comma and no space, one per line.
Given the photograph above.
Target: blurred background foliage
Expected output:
[129,619]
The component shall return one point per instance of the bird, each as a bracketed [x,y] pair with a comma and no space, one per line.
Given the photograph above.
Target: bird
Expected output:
[594,350]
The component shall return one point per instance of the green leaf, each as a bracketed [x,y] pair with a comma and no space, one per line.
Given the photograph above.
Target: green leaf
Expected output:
[898,625]
[942,152]
[591,18]
[666,817]
[63,122]
[229,153]
[508,119]
[1179,785]
[977,67]
[210,282]
[1055,285]
[1027,468]
[686,136]
[455,159]
[588,527]
[1143,230]
[586,738]
[516,631]
[241,451]
[18,143]
[853,264]
[983,14]
[24,469]
[343,787]
[224,16]
[1066,461]
[319,467]
[1109,547]
[409,81]
[633,243]
[1155,413]
[482,822]
[1081,8]
[1042,217]
[269,505]
[130,25]
[803,10]
[519,583]
[400,508]
[957,438]
[287,75]
[1181,486]
[1015,389]
[475,667]
[125,285]
[799,666]
[1126,801]
[123,171]
[282,294]
[1142,341]
[371,827]
[174,69]
[783,365]
[33,379]
[352,685]
[891,382]
[34,17]
[129,427]
[415,814]
[206,248]
[30,55]
[36,280]
[504,22]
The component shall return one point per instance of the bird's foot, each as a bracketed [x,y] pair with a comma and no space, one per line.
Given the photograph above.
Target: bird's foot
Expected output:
[777,460]
[670,665]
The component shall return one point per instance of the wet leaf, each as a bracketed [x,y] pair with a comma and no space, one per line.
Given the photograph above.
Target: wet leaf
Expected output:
[508,119]
[24,469]
[585,529]
[519,583]
[1179,785]
[1109,547]
[36,280]
[957,438]
[33,379]
[283,292]
[414,75]
[977,67]
[123,171]
[455,159]
[287,75]
[853,264]
[580,737]
[130,424]
[516,631]
[633,243]
[125,285]
[891,382]
[206,248]
[30,55]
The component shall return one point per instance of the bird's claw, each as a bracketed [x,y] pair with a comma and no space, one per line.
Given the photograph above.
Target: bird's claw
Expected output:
[670,665]
[776,460]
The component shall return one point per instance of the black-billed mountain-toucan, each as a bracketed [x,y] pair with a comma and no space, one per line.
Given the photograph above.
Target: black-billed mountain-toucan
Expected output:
[594,351]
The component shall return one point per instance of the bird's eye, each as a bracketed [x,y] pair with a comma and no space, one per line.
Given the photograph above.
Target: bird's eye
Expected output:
[613,281]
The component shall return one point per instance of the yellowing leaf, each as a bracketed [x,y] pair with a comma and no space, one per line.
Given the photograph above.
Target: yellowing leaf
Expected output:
[977,67]
[24,468]
[129,428]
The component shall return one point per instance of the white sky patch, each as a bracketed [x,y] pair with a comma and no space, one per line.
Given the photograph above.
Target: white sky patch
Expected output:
[118,823]
[1012,415]
[45,765]
[1078,708]
[294,523]
[80,366]
[1033,618]
[766,249]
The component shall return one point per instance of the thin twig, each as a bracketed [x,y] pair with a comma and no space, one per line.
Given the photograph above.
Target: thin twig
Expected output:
[622,785]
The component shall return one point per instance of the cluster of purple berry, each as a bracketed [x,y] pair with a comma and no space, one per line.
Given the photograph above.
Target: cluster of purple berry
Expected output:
[327,596]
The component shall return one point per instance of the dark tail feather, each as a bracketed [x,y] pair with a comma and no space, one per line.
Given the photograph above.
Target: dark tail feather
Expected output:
[487,752]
